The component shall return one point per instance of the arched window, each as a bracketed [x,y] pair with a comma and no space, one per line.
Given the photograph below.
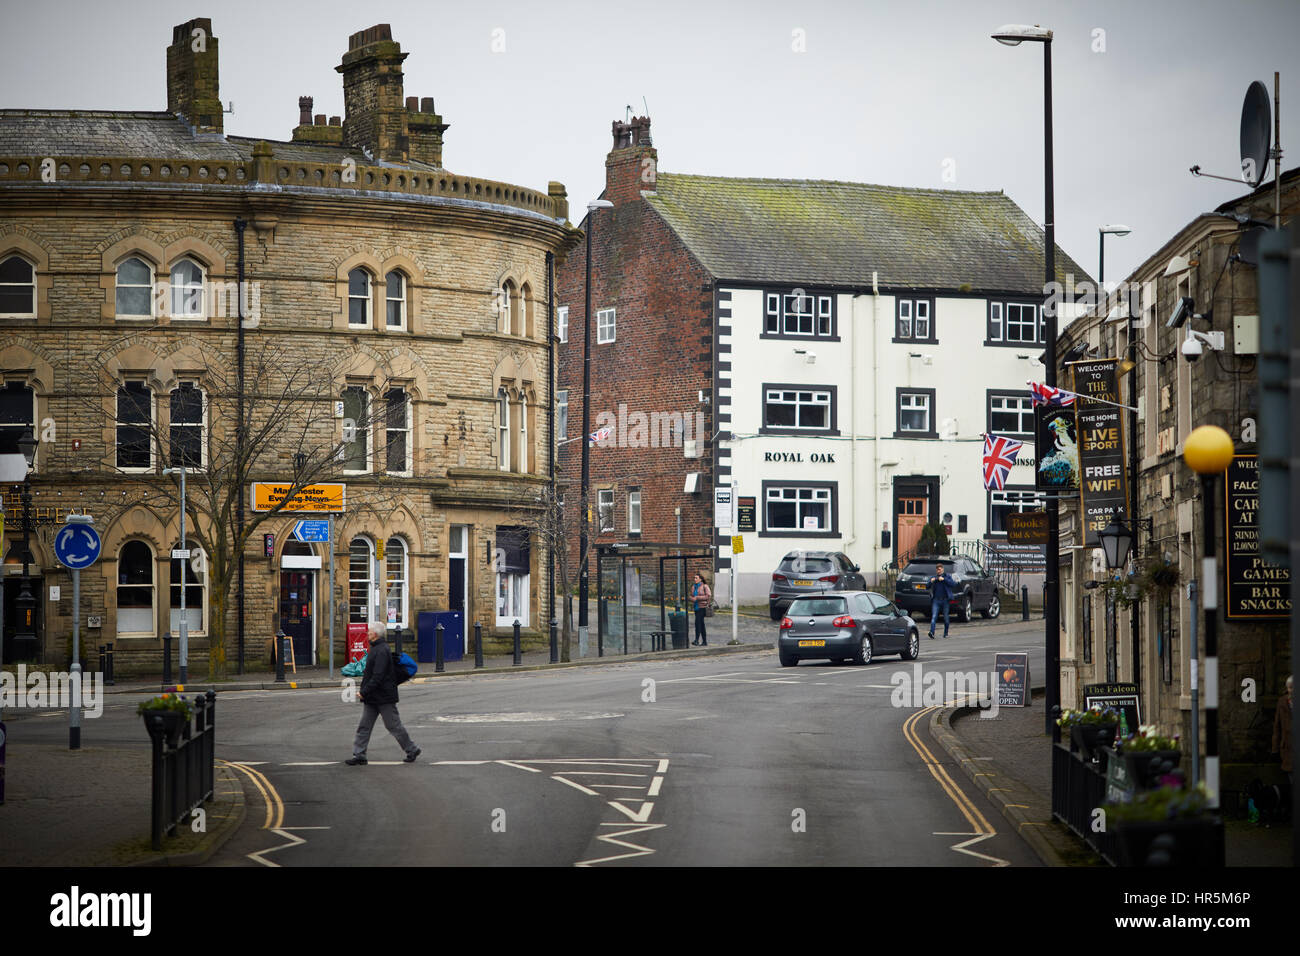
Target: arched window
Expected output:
[522,457]
[135,597]
[503,428]
[17,287]
[196,591]
[187,290]
[524,319]
[396,300]
[395,585]
[187,426]
[505,299]
[134,289]
[361,565]
[359,298]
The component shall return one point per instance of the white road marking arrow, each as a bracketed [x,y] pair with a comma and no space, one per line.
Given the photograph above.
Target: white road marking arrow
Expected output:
[641,816]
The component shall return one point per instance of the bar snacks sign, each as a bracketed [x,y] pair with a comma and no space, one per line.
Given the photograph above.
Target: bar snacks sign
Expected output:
[1255,589]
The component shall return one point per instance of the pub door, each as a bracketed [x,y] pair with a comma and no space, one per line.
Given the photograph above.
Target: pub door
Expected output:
[297,613]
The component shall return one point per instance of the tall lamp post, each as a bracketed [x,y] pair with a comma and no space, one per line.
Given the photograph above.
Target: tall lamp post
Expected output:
[585,436]
[1102,233]
[1013,35]
[25,633]
[1208,451]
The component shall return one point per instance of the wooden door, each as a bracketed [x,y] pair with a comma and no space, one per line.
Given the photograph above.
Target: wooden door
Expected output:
[912,517]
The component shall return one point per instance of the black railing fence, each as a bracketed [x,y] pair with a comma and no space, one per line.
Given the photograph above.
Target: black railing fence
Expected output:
[184,756]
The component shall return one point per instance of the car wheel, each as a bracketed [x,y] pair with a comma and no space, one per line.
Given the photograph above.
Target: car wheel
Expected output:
[863,656]
[964,612]
[788,661]
[776,614]
[995,608]
[913,649]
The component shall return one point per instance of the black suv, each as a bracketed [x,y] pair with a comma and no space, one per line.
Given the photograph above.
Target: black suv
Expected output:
[976,588]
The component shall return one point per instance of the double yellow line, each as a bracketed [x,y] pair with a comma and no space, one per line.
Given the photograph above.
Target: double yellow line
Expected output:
[270,797]
[968,809]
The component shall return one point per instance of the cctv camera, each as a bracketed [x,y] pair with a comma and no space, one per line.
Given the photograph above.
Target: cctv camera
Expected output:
[1192,349]
[1182,312]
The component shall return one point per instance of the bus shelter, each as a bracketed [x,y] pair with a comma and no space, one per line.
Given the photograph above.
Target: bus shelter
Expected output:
[642,587]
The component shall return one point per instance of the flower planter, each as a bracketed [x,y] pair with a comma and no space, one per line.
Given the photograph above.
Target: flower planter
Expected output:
[167,723]
[1144,767]
[1090,738]
[1182,843]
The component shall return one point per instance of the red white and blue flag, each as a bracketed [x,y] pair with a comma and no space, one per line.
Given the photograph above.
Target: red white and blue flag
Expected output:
[1051,396]
[599,436]
[999,455]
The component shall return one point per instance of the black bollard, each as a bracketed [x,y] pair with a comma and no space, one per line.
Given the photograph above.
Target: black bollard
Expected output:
[478,644]
[555,646]
[397,641]
[167,657]
[1044,600]
[518,658]
[103,659]
[438,667]
[1024,602]
[108,676]
[279,656]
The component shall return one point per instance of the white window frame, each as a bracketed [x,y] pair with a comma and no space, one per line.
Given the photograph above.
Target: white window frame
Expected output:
[604,507]
[1023,410]
[148,426]
[561,414]
[404,429]
[505,296]
[801,496]
[514,588]
[367,582]
[152,629]
[30,422]
[367,299]
[403,581]
[907,403]
[400,300]
[1014,499]
[173,613]
[33,286]
[791,396]
[201,424]
[363,423]
[523,456]
[503,428]
[148,287]
[191,311]
[1001,323]
[606,326]
[634,511]
[562,323]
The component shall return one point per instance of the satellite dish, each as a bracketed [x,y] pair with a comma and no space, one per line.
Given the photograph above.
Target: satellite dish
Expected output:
[1248,247]
[1256,120]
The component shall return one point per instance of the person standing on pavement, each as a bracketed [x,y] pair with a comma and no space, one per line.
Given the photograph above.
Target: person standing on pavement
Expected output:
[378,696]
[701,598]
[942,588]
[1282,730]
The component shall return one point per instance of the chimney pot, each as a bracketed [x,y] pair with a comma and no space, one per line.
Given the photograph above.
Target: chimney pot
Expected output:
[319,120]
[304,110]
[412,104]
[336,121]
[426,105]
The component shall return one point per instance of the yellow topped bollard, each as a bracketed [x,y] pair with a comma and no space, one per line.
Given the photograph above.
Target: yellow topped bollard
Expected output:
[1208,450]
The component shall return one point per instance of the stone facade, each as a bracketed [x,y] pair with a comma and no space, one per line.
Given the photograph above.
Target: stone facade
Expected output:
[422,338]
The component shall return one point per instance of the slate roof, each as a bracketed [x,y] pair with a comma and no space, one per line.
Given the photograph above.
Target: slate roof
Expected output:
[793,231]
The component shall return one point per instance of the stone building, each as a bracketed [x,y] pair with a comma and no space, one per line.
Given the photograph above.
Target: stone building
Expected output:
[1207,263]
[391,336]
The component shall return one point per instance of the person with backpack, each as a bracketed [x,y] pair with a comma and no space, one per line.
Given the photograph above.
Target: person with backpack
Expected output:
[701,599]
[378,696]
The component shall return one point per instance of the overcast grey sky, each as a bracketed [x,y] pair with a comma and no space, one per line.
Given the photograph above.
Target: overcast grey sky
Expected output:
[882,92]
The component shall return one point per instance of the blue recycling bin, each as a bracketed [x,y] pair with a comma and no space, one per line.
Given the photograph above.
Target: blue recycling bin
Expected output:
[453,635]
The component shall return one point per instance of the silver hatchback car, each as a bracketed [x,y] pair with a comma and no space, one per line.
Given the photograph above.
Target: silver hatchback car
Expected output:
[855,625]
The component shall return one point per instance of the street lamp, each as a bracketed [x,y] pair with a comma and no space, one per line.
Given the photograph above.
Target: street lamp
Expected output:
[26,603]
[1116,542]
[586,431]
[1102,233]
[1013,34]
[1208,451]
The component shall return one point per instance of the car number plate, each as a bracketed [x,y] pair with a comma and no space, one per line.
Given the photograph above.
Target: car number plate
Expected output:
[804,584]
[919,587]
[812,643]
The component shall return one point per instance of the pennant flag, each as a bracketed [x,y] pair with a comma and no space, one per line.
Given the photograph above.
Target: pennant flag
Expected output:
[599,436]
[1050,396]
[999,455]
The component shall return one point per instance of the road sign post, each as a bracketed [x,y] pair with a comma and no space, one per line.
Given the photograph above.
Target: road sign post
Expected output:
[77,546]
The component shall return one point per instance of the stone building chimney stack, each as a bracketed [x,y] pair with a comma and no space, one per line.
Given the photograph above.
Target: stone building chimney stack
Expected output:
[630,167]
[304,110]
[193,77]
[374,115]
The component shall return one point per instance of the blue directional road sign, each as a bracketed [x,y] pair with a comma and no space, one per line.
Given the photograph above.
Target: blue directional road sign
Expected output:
[312,530]
[77,546]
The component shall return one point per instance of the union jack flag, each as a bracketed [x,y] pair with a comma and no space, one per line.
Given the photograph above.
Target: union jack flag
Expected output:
[599,436]
[999,455]
[1051,396]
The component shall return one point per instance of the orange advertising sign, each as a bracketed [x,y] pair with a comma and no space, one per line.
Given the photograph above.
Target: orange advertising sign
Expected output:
[325,498]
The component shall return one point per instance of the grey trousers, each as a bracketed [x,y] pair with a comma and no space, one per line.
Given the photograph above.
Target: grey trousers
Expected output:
[392,722]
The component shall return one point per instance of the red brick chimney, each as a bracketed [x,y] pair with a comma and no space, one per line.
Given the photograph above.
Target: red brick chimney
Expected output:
[630,167]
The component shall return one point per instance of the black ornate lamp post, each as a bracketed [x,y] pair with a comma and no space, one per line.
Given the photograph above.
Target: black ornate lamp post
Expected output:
[1116,542]
[25,633]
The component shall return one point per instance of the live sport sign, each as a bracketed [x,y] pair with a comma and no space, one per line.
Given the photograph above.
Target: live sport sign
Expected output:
[1103,483]
[321,499]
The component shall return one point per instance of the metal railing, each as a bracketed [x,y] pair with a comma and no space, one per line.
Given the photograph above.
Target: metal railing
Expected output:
[1078,790]
[183,769]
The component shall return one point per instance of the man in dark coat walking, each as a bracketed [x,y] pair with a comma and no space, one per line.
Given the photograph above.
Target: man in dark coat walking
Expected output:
[942,588]
[378,696]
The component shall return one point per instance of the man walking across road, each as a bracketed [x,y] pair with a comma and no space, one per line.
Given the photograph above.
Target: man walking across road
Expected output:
[942,588]
[378,696]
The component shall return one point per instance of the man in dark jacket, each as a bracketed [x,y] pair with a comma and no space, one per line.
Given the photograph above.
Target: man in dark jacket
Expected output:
[942,588]
[378,696]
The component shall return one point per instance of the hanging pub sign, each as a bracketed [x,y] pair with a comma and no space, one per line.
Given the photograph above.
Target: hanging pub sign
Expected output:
[1057,449]
[1255,589]
[1103,480]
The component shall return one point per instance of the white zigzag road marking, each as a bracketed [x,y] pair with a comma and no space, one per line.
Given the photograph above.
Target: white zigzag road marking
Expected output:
[259,856]
[975,838]
[613,838]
